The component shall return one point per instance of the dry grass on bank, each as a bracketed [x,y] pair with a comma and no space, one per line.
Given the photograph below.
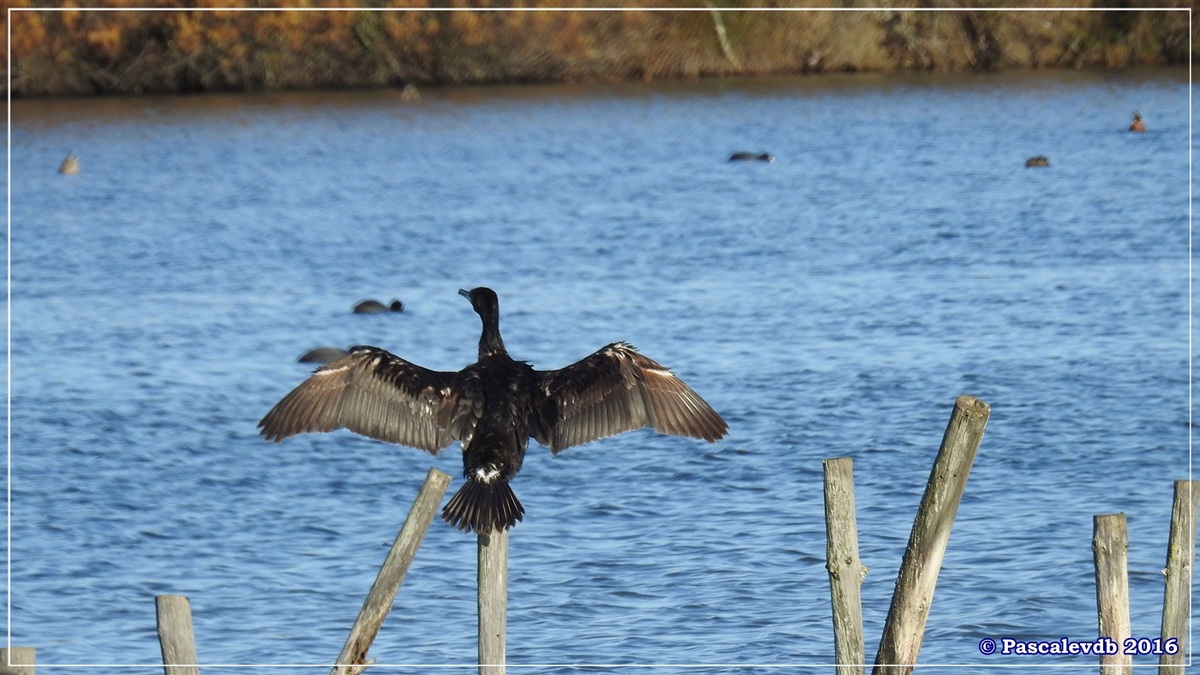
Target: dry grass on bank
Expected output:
[85,51]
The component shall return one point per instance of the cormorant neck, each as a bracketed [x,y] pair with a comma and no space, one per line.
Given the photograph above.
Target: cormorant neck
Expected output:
[490,343]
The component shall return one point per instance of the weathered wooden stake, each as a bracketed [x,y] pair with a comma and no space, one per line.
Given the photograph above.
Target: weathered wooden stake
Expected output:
[353,659]
[1181,558]
[905,625]
[493,600]
[1110,545]
[174,616]
[846,570]
[18,661]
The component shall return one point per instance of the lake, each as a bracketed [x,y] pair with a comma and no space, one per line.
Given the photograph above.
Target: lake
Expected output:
[832,303]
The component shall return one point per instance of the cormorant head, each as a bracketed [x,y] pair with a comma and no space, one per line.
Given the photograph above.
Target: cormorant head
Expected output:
[483,300]
[487,306]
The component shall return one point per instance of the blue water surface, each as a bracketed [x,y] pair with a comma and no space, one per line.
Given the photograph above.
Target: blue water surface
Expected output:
[895,255]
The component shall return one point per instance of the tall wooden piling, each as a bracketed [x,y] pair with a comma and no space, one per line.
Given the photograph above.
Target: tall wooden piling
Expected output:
[846,570]
[1110,547]
[18,661]
[353,658]
[493,600]
[175,636]
[905,625]
[1181,558]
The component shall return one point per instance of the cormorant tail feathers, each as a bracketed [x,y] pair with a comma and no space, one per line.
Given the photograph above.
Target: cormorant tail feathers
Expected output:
[482,507]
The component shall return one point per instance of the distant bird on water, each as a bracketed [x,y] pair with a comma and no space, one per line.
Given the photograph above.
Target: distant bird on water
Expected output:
[70,164]
[492,407]
[752,157]
[1137,124]
[1040,160]
[377,307]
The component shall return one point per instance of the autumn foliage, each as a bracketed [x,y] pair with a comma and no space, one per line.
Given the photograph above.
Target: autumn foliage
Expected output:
[84,47]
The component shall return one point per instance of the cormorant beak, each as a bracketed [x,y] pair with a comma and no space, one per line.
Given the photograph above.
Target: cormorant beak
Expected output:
[466,294]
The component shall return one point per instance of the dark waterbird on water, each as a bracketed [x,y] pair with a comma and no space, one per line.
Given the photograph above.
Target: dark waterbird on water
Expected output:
[377,307]
[492,407]
[752,157]
[1137,125]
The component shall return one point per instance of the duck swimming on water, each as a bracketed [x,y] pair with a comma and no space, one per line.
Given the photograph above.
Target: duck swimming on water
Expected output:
[752,157]
[1137,125]
[492,407]
[70,165]
[377,307]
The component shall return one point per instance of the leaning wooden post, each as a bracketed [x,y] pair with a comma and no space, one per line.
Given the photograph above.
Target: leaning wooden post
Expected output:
[493,600]
[18,661]
[905,625]
[846,571]
[1181,557]
[1110,545]
[174,616]
[353,659]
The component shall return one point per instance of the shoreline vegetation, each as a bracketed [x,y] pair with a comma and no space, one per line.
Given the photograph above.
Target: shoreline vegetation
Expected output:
[80,50]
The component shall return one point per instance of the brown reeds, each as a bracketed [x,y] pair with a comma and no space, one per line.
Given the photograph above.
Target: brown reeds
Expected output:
[221,48]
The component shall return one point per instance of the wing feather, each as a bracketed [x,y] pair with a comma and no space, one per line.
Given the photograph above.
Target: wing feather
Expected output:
[614,390]
[377,394]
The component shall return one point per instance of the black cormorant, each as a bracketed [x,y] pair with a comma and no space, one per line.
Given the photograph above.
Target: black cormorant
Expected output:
[492,407]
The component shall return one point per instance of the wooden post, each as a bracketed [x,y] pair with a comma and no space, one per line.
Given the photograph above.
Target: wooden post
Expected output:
[846,571]
[353,658]
[1110,544]
[174,614]
[1181,557]
[905,625]
[493,600]
[18,661]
